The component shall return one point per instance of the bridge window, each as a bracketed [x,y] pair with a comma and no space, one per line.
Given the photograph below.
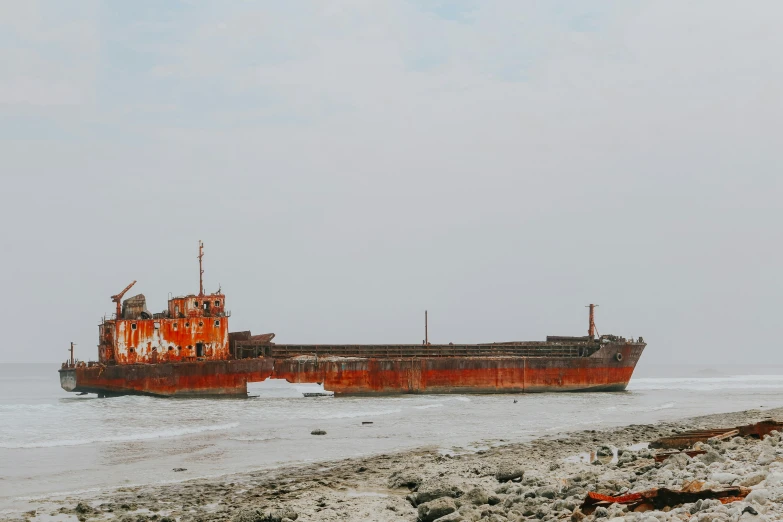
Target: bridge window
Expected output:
[217,303]
[195,303]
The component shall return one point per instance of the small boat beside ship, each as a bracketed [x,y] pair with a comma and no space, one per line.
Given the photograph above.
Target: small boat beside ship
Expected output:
[187,350]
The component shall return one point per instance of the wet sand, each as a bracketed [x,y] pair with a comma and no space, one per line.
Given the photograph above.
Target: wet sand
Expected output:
[545,479]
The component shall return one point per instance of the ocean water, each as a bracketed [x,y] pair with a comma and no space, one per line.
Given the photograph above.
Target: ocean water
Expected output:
[55,442]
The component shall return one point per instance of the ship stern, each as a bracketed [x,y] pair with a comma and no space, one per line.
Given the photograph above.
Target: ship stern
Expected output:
[68,379]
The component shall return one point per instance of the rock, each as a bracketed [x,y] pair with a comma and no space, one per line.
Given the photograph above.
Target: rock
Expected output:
[513,499]
[493,499]
[508,472]
[766,458]
[404,479]
[177,470]
[724,478]
[546,492]
[451,517]
[433,489]
[600,512]
[710,457]
[434,509]
[626,458]
[83,508]
[318,432]
[248,515]
[773,479]
[753,479]
[677,461]
[757,496]
[256,515]
[604,451]
[279,515]
[476,496]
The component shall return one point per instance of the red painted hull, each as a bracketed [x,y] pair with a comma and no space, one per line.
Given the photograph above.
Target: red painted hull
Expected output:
[603,370]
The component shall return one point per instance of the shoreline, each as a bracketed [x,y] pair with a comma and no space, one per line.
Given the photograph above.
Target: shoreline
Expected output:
[378,487]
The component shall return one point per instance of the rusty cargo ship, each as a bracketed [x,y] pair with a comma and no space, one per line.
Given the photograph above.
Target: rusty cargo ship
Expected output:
[187,350]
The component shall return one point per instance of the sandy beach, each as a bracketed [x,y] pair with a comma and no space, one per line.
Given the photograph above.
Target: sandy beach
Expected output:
[545,479]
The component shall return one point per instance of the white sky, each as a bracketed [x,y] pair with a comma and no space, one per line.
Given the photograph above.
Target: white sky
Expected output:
[349,164]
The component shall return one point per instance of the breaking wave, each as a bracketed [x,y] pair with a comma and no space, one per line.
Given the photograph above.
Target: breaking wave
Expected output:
[163,434]
[737,382]
[351,415]
[428,406]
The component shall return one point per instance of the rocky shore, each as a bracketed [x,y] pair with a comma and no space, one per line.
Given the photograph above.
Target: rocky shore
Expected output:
[545,479]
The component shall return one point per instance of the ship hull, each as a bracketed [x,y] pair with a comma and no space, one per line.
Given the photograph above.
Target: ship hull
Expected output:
[608,369]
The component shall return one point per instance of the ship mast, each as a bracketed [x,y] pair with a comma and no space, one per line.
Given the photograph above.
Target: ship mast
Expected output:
[200,268]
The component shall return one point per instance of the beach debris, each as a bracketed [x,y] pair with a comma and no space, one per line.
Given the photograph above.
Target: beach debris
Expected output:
[179,469]
[318,432]
[659,498]
[364,423]
[687,439]
[660,457]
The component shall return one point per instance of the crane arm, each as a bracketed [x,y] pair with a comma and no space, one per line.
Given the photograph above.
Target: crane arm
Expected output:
[118,298]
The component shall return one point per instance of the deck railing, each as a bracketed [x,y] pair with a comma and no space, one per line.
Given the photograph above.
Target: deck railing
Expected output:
[245,348]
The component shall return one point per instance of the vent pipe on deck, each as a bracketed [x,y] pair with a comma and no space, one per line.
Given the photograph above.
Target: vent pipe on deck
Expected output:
[591,329]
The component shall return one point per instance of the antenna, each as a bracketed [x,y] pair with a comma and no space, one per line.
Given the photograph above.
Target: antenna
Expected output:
[200,268]
[591,329]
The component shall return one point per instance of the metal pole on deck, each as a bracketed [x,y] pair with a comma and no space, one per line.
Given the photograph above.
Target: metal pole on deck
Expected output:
[71,350]
[426,330]
[200,268]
